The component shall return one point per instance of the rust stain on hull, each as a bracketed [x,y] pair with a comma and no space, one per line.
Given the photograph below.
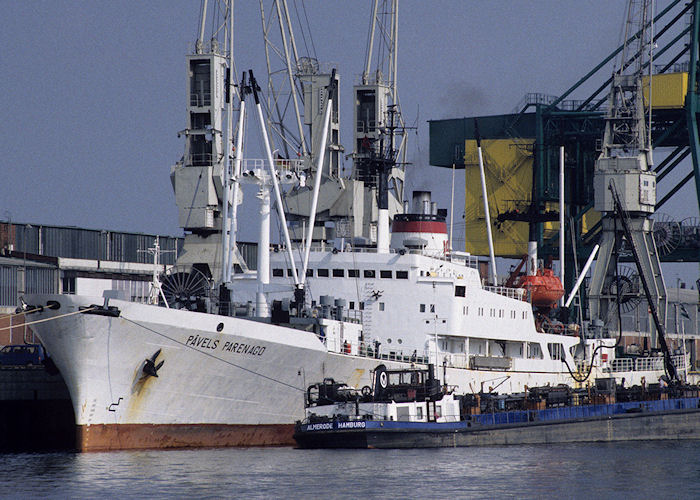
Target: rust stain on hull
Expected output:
[106,437]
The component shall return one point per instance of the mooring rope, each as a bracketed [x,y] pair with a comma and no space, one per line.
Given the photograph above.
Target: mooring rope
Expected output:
[19,325]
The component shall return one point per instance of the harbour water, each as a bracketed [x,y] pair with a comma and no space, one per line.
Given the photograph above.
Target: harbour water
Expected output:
[591,470]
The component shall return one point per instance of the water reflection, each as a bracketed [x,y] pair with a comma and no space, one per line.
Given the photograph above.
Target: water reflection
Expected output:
[645,470]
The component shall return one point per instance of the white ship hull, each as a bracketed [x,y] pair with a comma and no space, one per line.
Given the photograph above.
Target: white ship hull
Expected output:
[240,386]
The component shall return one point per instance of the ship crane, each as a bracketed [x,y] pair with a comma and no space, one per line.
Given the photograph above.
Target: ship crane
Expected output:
[379,140]
[624,182]
[303,121]
[348,207]
[627,228]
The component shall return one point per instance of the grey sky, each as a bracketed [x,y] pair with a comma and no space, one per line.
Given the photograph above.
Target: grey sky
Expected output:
[93,93]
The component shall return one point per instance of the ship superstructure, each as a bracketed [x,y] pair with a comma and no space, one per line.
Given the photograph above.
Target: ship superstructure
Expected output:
[420,301]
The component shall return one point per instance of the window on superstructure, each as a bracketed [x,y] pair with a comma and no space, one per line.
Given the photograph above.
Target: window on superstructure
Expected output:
[338,273]
[422,308]
[278,273]
[556,350]
[200,81]
[432,308]
[480,311]
[353,273]
[460,291]
[362,306]
[369,273]
[381,306]
[322,273]
[352,304]
[401,275]
[385,274]
[68,285]
[500,313]
[289,272]
[309,273]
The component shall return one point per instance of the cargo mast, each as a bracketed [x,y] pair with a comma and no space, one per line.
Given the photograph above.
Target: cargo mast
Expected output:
[203,179]
[378,136]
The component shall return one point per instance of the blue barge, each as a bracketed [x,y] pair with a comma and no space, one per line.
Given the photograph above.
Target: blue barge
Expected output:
[419,414]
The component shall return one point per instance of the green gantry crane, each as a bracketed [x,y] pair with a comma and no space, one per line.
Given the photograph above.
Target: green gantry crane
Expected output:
[543,123]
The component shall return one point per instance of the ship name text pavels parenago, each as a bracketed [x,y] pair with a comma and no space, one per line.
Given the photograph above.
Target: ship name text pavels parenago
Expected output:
[235,347]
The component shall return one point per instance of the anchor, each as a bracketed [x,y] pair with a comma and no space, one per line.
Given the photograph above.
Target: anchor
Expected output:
[150,367]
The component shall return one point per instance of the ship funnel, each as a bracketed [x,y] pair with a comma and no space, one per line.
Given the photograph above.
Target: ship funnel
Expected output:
[422,230]
[421,202]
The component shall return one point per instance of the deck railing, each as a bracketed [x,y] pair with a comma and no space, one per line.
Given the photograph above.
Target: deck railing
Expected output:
[462,360]
[513,293]
[282,166]
[645,364]
[372,350]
